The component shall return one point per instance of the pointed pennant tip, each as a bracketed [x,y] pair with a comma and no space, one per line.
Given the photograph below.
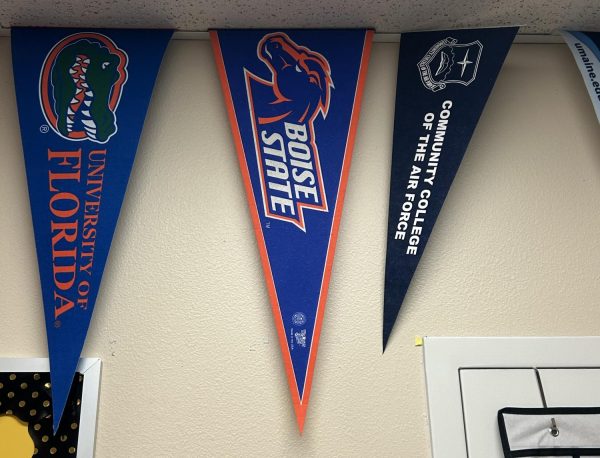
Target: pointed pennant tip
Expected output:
[62,378]
[58,406]
[59,402]
[300,410]
[387,331]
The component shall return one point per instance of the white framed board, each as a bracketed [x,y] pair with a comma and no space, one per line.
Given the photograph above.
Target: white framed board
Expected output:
[470,378]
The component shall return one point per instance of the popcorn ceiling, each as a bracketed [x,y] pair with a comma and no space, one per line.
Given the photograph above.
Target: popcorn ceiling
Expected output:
[391,16]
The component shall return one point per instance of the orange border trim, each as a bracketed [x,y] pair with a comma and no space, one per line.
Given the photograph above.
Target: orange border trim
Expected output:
[300,405]
[364,63]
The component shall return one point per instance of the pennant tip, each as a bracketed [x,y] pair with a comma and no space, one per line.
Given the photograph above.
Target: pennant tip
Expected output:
[59,391]
[56,417]
[300,421]
[300,416]
[55,423]
[387,331]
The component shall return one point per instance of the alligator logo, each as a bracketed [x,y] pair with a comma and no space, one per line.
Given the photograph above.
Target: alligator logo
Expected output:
[80,86]
[283,110]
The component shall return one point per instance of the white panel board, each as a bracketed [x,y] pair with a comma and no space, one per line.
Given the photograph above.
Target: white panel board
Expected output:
[484,392]
[446,357]
[571,387]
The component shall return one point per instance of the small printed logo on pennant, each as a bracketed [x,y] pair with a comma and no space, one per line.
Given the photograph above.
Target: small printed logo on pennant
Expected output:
[448,62]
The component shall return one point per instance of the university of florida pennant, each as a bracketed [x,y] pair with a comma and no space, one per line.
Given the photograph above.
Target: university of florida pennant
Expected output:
[293,98]
[444,80]
[82,97]
[585,47]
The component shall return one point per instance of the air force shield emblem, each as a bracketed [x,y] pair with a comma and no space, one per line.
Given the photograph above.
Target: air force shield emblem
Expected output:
[448,62]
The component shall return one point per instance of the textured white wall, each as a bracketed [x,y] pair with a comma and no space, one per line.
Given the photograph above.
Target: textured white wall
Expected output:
[192,365]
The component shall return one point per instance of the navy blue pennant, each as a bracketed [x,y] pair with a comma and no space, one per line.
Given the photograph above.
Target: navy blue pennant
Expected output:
[444,80]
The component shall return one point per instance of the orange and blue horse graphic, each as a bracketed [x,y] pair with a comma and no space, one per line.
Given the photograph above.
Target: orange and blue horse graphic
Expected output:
[283,112]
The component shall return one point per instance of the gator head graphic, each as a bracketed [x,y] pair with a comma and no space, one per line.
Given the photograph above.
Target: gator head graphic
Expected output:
[301,79]
[80,86]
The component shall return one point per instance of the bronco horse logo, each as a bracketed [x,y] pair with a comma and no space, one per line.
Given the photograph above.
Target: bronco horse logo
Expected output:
[299,90]
[80,86]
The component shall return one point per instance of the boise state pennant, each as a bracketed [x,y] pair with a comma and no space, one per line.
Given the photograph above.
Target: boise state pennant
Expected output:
[585,47]
[444,80]
[82,97]
[293,98]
